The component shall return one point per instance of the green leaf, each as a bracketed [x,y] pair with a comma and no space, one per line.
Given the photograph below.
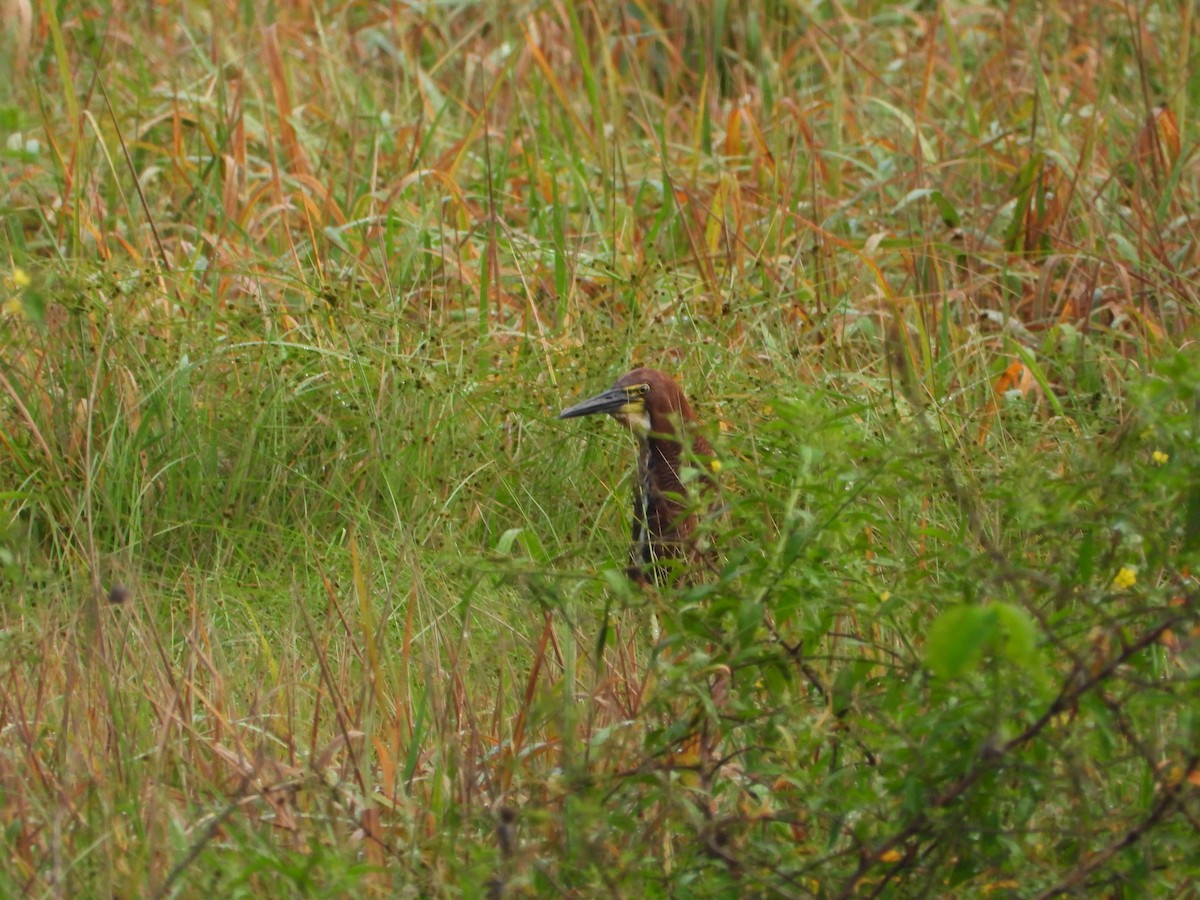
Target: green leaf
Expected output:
[957,640]
[505,544]
[961,636]
[1017,634]
[525,540]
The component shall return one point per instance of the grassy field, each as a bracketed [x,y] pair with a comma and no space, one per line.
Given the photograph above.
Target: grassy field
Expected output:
[306,592]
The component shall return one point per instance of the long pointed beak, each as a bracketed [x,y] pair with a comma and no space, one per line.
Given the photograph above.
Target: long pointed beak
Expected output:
[608,402]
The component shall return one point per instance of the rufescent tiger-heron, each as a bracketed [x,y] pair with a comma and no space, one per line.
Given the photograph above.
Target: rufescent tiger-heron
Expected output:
[664,512]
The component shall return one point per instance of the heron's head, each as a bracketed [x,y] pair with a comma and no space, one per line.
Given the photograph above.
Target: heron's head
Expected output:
[645,399]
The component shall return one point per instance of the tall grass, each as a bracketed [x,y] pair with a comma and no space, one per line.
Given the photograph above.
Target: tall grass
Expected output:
[308,592]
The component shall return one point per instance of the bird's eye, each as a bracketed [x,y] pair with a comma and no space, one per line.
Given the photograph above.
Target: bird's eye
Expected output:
[643,388]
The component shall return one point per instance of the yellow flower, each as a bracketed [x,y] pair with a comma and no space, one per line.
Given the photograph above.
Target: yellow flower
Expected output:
[1159,458]
[12,306]
[715,465]
[891,856]
[885,596]
[20,278]
[1125,578]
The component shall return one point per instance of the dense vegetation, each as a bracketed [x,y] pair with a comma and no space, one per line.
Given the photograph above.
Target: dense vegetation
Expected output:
[307,593]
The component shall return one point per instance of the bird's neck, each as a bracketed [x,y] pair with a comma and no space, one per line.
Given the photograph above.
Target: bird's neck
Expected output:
[666,447]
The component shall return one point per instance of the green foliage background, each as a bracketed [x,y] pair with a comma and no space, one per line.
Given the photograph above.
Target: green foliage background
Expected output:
[308,593]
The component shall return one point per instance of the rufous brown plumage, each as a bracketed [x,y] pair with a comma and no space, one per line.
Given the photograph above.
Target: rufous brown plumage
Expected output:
[665,517]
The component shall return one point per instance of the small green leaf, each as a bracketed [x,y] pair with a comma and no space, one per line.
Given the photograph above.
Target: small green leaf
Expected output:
[961,636]
[505,544]
[533,546]
[1017,634]
[617,582]
[957,640]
